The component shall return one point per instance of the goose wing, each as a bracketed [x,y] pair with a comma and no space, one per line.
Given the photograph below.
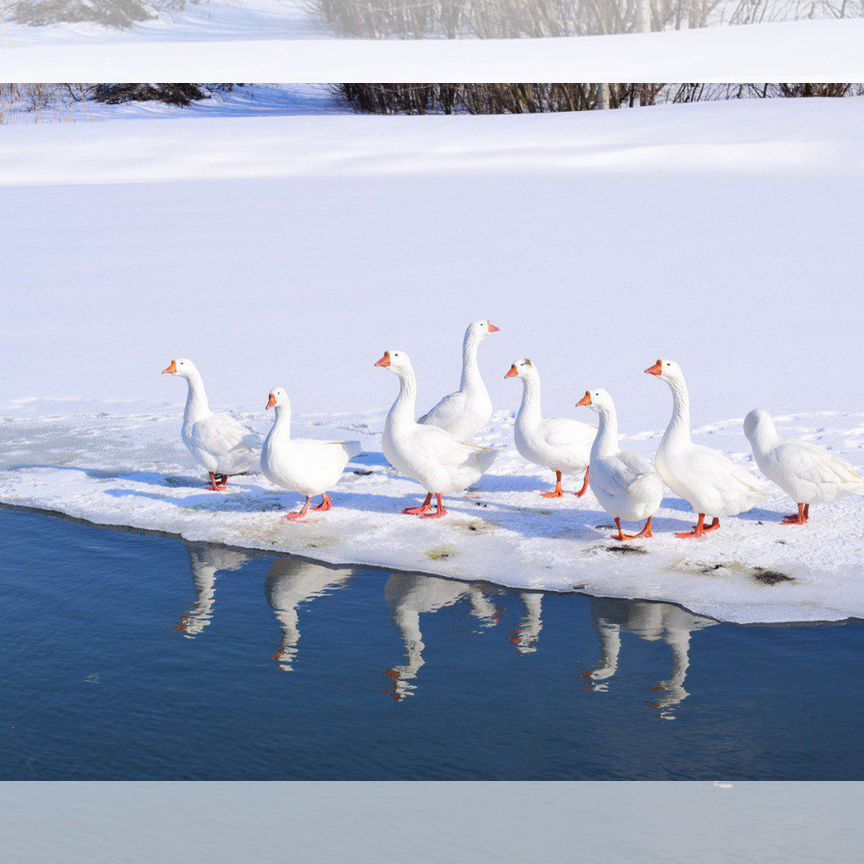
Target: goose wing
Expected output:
[622,472]
[324,455]
[221,434]
[816,465]
[450,451]
[446,412]
[715,470]
[563,432]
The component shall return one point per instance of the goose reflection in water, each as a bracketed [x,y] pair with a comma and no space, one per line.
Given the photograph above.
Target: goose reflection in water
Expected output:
[652,622]
[290,583]
[409,596]
[207,562]
[525,636]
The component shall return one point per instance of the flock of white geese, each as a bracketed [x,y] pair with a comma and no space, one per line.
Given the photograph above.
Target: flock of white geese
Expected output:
[436,450]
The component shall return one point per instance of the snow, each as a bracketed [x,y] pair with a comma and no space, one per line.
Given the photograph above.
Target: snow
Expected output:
[294,250]
[813,50]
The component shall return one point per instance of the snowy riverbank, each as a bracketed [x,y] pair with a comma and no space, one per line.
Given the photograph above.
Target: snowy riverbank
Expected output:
[294,250]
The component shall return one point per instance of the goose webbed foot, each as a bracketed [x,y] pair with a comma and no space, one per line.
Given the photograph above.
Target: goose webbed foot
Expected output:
[799,518]
[419,511]
[439,513]
[216,484]
[326,503]
[298,516]
[558,492]
[644,533]
[700,529]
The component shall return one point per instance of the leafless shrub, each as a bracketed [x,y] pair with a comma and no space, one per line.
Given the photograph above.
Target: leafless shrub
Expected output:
[525,98]
[112,13]
[417,19]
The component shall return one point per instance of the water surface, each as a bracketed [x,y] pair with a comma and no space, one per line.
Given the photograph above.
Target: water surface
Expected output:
[135,656]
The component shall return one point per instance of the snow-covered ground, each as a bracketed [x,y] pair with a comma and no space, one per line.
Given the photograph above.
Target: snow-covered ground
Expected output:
[295,250]
[817,50]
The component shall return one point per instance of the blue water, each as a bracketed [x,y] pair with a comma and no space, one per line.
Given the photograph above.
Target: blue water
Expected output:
[132,656]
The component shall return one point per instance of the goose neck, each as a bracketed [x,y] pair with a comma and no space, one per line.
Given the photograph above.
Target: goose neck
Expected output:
[530,409]
[679,424]
[197,405]
[404,410]
[471,378]
[281,423]
[606,442]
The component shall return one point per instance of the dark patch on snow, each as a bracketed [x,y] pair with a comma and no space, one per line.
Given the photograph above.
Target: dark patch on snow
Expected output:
[362,472]
[711,568]
[770,577]
[621,549]
[440,553]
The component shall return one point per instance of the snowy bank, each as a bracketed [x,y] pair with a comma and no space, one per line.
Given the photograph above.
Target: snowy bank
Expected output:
[819,50]
[294,250]
[754,570]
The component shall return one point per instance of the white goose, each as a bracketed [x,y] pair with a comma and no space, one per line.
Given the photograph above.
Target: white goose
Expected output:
[561,444]
[306,466]
[433,457]
[806,473]
[706,479]
[625,483]
[464,413]
[217,442]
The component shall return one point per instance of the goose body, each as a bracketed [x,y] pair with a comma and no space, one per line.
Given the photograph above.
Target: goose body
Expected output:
[307,466]
[439,462]
[218,443]
[712,484]
[465,412]
[806,473]
[560,444]
[626,484]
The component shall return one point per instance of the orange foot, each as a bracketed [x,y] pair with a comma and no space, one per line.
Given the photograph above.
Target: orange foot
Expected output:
[585,483]
[799,518]
[700,528]
[558,492]
[624,538]
[326,503]
[439,513]
[419,511]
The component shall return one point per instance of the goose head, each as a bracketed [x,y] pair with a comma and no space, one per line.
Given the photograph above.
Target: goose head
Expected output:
[597,400]
[397,362]
[479,330]
[523,369]
[277,398]
[182,367]
[668,370]
[759,426]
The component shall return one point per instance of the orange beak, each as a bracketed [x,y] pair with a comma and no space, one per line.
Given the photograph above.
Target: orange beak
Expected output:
[656,369]
[513,373]
[271,402]
[385,360]
[170,370]
[493,328]
[585,401]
